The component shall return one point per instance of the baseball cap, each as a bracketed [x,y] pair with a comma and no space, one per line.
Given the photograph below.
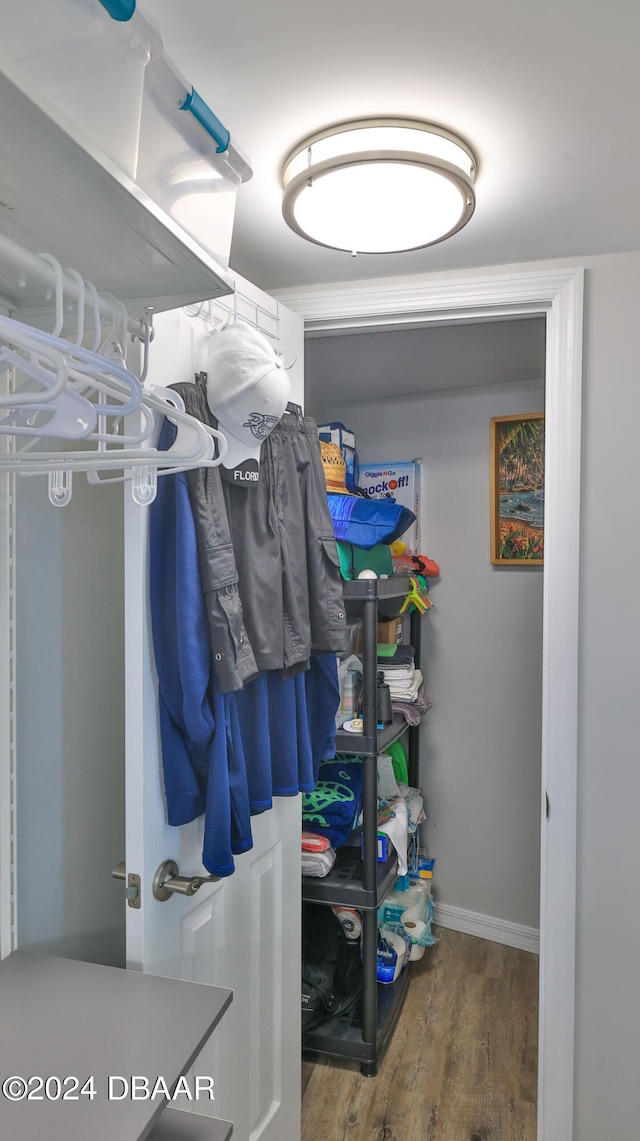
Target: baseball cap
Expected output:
[247,391]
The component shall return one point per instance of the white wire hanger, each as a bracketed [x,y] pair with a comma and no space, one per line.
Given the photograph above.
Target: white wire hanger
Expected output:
[68,392]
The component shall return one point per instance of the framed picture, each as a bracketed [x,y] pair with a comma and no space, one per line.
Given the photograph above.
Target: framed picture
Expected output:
[517,490]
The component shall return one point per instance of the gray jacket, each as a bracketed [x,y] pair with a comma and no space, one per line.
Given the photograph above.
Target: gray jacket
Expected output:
[233,656]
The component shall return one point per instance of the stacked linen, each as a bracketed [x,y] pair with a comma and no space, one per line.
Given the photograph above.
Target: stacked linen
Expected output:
[318,857]
[405,682]
[400,673]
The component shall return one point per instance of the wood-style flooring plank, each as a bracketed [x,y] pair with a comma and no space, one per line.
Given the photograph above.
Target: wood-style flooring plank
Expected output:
[462,1062]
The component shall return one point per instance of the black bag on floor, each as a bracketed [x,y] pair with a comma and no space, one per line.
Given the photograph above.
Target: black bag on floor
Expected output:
[331,967]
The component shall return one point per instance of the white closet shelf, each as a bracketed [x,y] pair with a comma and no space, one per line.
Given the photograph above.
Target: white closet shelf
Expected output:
[60,193]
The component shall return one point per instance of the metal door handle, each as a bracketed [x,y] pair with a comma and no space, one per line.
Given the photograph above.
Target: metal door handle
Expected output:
[168,881]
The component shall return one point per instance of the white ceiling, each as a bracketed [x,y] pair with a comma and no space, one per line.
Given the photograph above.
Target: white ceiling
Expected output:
[547,94]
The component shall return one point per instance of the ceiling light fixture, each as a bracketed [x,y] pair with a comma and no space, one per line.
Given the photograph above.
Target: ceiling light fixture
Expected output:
[379,186]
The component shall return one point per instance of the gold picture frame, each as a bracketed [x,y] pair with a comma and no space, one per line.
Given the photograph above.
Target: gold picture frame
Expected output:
[517,489]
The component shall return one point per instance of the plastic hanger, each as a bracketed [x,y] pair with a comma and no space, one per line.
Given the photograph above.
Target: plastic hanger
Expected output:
[73,392]
[97,320]
[89,368]
[69,416]
[58,292]
[296,410]
[194,445]
[44,366]
[79,280]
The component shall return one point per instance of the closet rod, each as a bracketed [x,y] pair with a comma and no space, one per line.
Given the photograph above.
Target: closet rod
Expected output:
[34,266]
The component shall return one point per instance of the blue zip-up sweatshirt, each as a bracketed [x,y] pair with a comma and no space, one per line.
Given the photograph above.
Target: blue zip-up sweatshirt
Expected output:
[202,751]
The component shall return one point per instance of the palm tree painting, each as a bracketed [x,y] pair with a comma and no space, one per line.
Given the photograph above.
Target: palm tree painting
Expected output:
[517,490]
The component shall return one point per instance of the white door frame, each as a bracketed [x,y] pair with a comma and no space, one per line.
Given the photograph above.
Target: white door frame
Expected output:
[559,295]
[7,693]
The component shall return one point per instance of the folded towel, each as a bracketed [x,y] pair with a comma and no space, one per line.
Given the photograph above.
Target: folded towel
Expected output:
[333,807]
[403,676]
[318,863]
[314,843]
[406,692]
[387,783]
[392,655]
[413,711]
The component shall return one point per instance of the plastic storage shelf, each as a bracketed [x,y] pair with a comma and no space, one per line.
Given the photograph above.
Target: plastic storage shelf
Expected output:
[343,1037]
[343,886]
[362,883]
[359,745]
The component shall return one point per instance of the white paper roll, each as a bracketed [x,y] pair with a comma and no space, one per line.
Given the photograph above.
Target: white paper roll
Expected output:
[413,913]
[400,947]
[414,929]
[351,921]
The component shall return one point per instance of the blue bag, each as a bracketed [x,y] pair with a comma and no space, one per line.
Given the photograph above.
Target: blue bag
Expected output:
[367,522]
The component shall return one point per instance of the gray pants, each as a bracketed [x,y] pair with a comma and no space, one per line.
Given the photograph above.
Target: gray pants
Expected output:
[286,554]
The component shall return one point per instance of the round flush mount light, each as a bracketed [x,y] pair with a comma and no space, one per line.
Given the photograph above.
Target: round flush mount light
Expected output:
[379,186]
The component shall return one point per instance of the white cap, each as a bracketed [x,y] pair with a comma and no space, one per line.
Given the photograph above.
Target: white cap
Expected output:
[247,389]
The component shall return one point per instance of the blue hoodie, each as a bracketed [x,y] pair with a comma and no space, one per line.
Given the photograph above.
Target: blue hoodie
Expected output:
[202,752]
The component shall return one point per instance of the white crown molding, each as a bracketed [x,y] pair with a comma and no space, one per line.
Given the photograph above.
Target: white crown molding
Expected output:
[487,927]
[486,295]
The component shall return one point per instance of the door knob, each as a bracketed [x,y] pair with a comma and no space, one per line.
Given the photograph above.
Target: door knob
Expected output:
[168,881]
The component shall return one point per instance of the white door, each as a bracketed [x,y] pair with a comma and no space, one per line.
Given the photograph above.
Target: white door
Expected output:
[242,932]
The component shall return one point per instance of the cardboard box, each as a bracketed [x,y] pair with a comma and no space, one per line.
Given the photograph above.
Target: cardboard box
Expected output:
[391,631]
[399,481]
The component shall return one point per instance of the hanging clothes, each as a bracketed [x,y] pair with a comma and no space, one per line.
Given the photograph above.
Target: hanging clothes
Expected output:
[224,754]
[202,751]
[285,549]
[287,725]
[282,534]
[322,690]
[233,657]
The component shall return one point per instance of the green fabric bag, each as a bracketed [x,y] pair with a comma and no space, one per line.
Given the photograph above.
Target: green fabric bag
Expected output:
[355,559]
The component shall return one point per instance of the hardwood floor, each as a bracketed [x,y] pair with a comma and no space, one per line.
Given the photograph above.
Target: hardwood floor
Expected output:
[462,1062]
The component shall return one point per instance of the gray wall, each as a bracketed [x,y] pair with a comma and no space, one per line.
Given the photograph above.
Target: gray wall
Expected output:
[70,721]
[481,742]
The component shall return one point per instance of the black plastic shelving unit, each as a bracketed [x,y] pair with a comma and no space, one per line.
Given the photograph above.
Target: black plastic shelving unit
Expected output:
[343,886]
[360,880]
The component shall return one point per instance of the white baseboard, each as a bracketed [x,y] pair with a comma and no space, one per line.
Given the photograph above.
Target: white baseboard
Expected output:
[487,927]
